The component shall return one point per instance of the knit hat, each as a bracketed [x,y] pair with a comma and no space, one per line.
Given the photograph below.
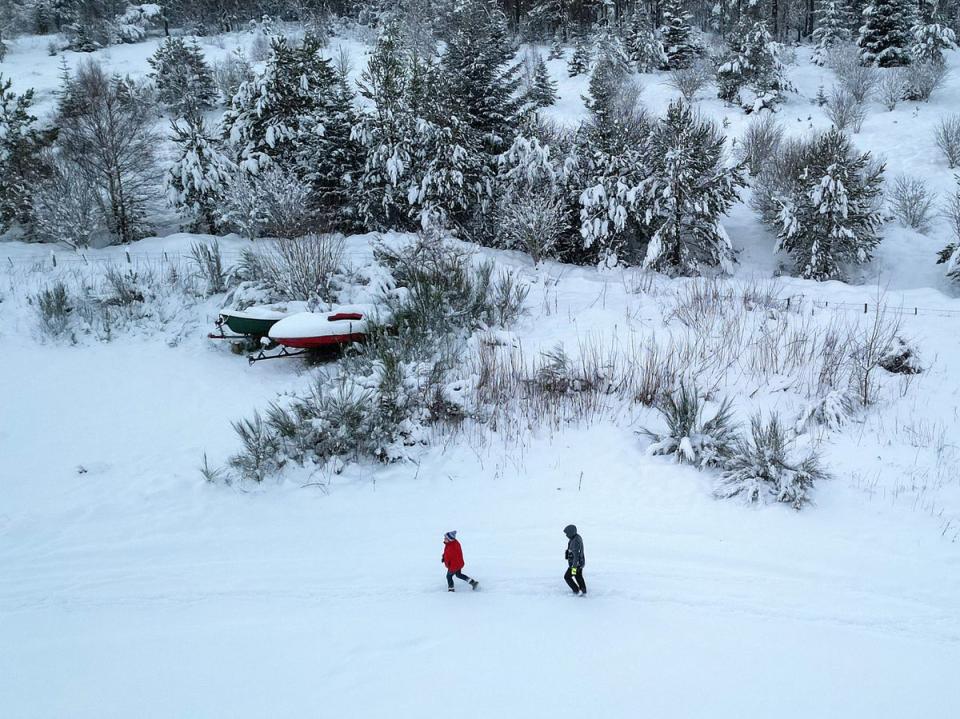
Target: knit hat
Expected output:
[450,536]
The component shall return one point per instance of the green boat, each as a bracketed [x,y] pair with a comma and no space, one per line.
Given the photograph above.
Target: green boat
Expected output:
[255,322]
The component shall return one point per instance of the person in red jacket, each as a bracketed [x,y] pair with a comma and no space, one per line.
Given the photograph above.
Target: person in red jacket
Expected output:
[453,561]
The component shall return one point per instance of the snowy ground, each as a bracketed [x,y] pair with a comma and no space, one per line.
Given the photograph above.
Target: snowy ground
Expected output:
[131,588]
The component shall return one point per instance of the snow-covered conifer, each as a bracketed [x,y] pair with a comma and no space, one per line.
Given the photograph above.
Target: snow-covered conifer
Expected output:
[20,159]
[832,27]
[579,61]
[679,44]
[885,37]
[197,179]
[182,76]
[688,191]
[831,215]
[929,42]
[272,115]
[753,64]
[539,89]
[643,46]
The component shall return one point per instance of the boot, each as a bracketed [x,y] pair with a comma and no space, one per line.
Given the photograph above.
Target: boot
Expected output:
[450,589]
[474,584]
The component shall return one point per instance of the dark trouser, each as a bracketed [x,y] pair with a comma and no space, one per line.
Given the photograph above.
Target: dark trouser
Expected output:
[575,581]
[459,575]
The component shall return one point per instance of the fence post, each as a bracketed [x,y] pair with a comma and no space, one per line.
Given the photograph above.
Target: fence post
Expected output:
[864,308]
[127,253]
[915,311]
[788,304]
[84,259]
[53,257]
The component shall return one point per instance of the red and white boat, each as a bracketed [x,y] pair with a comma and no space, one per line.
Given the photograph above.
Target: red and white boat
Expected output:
[313,330]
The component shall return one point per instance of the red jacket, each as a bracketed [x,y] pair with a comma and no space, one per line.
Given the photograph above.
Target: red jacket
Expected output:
[453,556]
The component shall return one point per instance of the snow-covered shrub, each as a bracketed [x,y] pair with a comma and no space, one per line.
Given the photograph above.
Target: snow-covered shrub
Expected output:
[950,255]
[858,79]
[555,373]
[209,263]
[303,268]
[65,207]
[690,438]
[53,308]
[947,136]
[761,141]
[260,455]
[272,203]
[230,73]
[533,224]
[182,77]
[922,79]
[870,343]
[135,22]
[690,79]
[827,197]
[123,287]
[892,87]
[911,202]
[901,357]
[763,467]
[844,111]
[831,411]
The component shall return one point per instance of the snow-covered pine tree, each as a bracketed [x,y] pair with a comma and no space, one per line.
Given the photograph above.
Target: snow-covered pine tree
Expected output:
[832,27]
[687,193]
[679,44]
[541,89]
[929,42]
[579,61]
[183,78]
[197,179]
[885,36]
[831,216]
[754,64]
[272,115]
[643,46]
[330,160]
[556,47]
[21,164]
[479,77]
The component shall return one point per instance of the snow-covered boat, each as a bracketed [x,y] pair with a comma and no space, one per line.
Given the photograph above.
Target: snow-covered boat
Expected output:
[255,321]
[311,330]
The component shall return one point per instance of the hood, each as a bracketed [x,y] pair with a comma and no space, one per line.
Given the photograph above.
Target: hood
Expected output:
[570,530]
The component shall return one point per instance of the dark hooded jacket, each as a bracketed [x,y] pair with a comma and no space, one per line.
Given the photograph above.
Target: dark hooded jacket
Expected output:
[575,556]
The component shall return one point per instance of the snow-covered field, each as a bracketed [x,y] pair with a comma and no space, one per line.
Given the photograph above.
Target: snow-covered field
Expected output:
[131,588]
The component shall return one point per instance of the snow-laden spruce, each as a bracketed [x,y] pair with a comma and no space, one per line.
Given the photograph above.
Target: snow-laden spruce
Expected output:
[679,44]
[198,178]
[885,37]
[21,166]
[643,46]
[183,79]
[754,66]
[832,28]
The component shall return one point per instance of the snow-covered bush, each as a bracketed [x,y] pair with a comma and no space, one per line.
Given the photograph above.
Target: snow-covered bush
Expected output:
[689,438]
[208,260]
[922,79]
[892,87]
[273,203]
[870,344]
[901,357]
[950,255]
[858,79]
[947,136]
[261,454]
[532,223]
[182,77]
[303,268]
[832,411]
[763,467]
[230,73]
[65,207]
[690,79]
[53,308]
[911,202]
[761,141]
[844,111]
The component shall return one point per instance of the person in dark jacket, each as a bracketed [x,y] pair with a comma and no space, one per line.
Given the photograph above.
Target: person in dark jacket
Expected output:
[453,561]
[576,559]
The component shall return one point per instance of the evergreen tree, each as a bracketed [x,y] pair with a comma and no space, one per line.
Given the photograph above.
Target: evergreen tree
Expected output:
[273,115]
[754,64]
[885,36]
[580,59]
[479,77]
[21,165]
[643,46]
[833,27]
[542,89]
[929,42]
[688,191]
[679,45]
[183,78]
[830,216]
[197,179]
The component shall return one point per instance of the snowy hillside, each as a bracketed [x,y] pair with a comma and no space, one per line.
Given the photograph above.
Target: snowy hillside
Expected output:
[149,572]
